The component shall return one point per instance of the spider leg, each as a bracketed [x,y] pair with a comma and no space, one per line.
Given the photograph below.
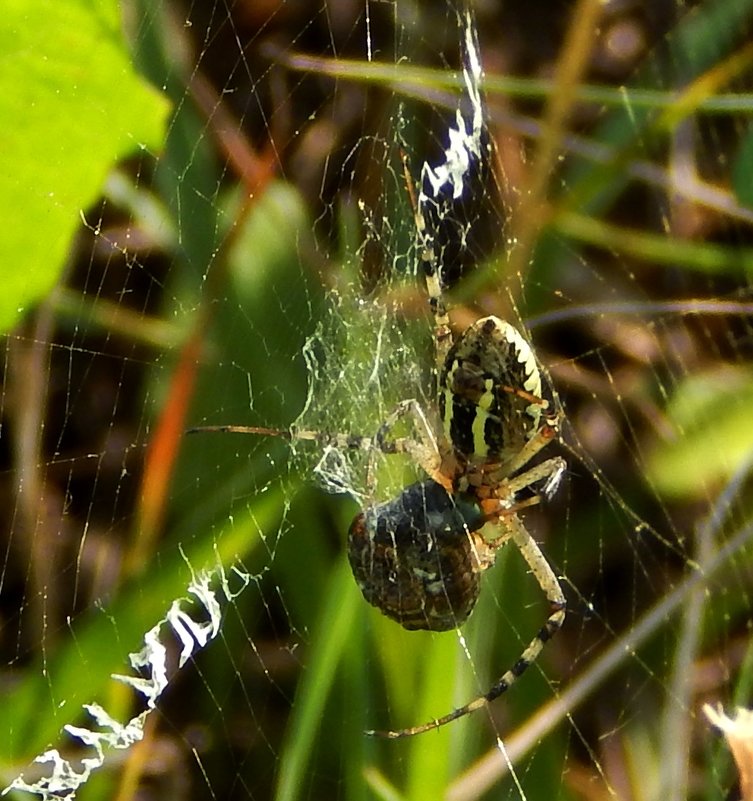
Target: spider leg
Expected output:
[501,501]
[341,441]
[550,586]
[551,470]
[442,331]
[546,433]
[407,445]
[424,451]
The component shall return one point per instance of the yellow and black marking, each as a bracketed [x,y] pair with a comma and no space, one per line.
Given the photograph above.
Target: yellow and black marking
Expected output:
[490,393]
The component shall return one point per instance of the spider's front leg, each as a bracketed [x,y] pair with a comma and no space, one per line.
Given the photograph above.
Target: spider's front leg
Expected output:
[503,484]
[550,471]
[546,433]
[424,451]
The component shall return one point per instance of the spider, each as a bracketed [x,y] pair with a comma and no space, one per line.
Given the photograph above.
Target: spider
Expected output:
[419,557]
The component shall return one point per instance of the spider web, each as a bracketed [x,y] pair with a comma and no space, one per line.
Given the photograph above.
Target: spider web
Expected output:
[261,270]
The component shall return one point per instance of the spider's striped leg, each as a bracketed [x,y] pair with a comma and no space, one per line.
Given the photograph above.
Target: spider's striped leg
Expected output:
[424,451]
[442,332]
[546,433]
[342,441]
[550,585]
[429,263]
[551,470]
[501,503]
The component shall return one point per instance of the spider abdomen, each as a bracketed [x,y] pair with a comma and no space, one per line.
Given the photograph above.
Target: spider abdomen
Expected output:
[487,385]
[417,558]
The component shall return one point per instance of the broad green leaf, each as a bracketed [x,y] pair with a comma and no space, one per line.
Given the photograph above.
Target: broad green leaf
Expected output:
[71,105]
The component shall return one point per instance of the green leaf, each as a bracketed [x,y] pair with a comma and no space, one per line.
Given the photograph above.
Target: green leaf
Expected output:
[330,643]
[72,105]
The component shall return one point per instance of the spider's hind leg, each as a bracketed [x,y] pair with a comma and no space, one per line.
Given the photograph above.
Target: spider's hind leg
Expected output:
[551,588]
